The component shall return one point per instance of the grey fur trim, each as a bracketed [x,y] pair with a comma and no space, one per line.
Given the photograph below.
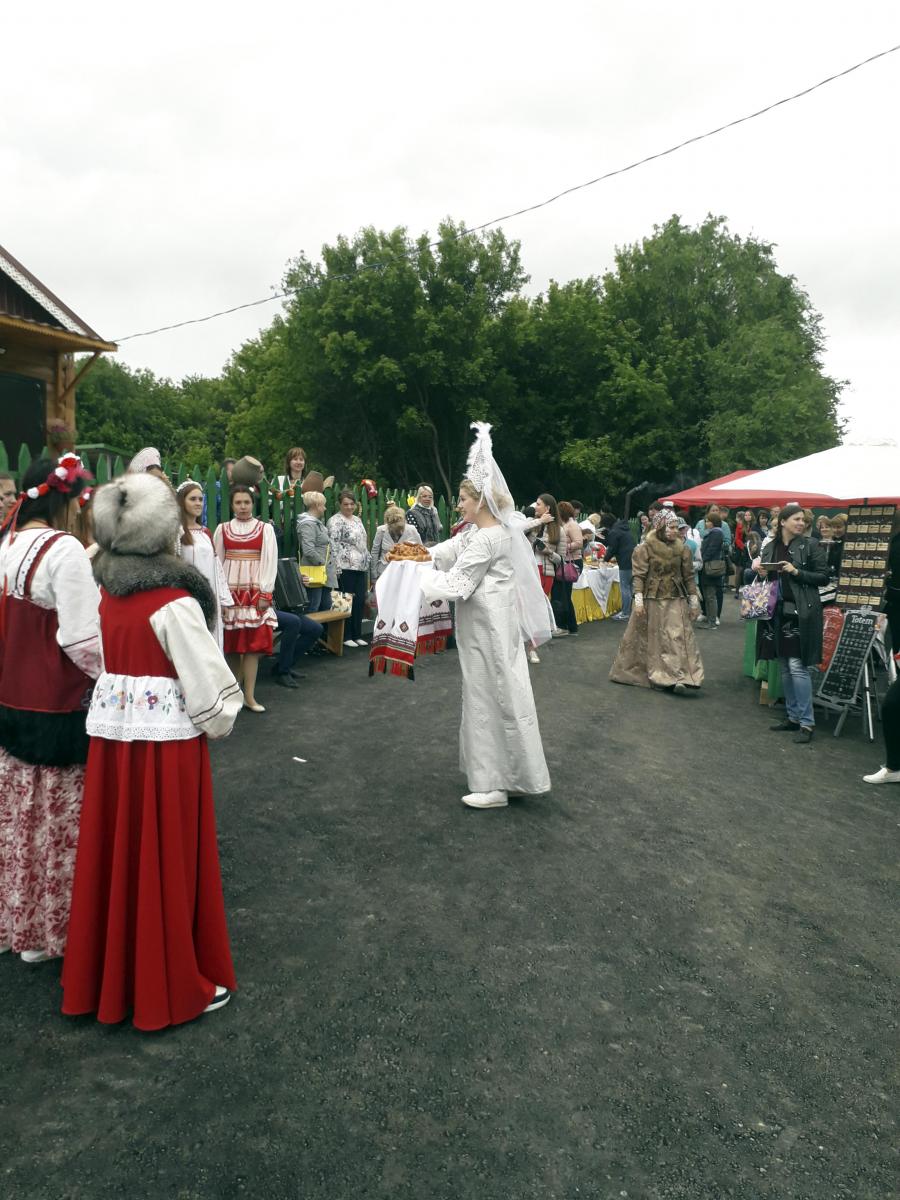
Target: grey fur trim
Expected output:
[125,574]
[136,514]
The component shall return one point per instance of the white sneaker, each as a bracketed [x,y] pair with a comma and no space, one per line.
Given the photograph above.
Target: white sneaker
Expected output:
[718,623]
[558,633]
[485,800]
[350,642]
[533,656]
[361,642]
[883,775]
[36,956]
[701,620]
[219,1000]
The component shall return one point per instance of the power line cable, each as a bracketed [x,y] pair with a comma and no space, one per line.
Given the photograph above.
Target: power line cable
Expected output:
[578,187]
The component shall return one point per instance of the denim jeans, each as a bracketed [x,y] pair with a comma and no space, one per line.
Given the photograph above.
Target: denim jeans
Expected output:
[626,590]
[797,683]
[298,634]
[319,600]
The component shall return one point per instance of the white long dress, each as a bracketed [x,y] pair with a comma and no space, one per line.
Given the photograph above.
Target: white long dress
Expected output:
[202,555]
[499,740]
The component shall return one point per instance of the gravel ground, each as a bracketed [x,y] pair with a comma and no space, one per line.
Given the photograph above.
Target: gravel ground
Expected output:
[673,977]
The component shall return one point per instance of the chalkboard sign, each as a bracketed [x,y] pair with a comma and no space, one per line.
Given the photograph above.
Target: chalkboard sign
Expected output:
[841,683]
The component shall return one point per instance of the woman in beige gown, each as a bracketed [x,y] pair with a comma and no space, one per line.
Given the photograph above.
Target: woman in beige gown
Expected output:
[659,649]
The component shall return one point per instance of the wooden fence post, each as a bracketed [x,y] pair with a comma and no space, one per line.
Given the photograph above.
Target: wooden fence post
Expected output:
[209,491]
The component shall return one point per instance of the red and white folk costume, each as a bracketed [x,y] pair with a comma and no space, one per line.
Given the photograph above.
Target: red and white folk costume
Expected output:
[49,657]
[248,553]
[148,930]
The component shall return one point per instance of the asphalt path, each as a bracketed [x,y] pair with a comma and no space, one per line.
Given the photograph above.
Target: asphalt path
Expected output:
[672,977]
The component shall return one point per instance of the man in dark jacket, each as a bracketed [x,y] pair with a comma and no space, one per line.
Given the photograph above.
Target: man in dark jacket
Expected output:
[619,545]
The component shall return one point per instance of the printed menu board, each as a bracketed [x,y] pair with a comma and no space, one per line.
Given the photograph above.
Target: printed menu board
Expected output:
[865,557]
[841,682]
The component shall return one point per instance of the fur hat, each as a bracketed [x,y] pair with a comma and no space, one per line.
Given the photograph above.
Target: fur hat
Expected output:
[136,514]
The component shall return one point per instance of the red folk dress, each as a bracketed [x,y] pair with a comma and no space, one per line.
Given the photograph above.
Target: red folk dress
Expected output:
[147,930]
[248,553]
[49,657]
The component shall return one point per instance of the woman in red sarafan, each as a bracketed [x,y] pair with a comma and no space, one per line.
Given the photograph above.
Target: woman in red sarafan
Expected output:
[147,932]
[248,552]
[49,658]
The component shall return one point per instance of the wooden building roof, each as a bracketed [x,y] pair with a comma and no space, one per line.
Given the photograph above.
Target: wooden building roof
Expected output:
[30,312]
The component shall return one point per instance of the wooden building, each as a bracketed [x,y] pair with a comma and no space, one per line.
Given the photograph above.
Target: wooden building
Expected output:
[39,338]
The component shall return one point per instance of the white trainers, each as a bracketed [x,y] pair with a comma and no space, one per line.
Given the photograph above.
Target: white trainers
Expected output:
[533,656]
[485,800]
[349,642]
[36,956]
[219,1000]
[883,775]
[558,633]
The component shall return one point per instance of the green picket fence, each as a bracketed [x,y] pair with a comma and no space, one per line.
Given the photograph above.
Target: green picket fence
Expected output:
[283,510]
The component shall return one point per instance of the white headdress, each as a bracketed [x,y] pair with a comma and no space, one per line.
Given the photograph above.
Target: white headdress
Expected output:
[535,616]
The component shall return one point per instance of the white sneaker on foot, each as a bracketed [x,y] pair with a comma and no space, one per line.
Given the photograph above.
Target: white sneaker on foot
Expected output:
[533,656]
[36,956]
[883,775]
[349,642]
[219,1000]
[485,800]
[558,633]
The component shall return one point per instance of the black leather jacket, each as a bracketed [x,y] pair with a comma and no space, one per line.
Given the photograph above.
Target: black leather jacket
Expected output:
[811,562]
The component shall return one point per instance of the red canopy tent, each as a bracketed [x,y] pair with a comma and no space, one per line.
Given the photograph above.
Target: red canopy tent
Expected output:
[702,494]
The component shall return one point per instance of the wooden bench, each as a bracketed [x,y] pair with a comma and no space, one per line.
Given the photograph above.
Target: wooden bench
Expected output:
[334,634]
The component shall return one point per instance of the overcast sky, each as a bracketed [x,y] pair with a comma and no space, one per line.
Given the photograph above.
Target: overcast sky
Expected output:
[160,162]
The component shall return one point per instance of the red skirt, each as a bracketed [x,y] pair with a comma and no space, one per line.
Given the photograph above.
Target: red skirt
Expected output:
[249,641]
[147,930]
[547,583]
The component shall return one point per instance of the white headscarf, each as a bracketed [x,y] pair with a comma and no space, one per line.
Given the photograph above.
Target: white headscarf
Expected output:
[535,619]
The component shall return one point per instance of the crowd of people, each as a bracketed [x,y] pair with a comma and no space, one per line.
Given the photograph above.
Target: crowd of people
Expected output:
[141,637]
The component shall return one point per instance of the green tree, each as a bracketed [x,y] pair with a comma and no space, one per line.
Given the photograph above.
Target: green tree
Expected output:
[715,357]
[383,354]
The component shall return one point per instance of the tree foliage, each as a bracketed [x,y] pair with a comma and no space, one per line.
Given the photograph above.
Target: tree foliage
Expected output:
[691,357]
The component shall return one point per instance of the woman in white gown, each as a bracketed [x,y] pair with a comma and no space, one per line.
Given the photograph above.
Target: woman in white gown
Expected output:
[196,547]
[489,572]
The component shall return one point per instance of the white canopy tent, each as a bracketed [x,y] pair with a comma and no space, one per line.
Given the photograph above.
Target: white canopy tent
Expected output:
[856,472]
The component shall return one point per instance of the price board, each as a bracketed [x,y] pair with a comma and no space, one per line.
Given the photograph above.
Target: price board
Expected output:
[865,558]
[849,669]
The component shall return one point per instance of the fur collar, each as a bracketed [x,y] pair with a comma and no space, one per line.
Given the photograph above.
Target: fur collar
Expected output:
[125,574]
[662,549]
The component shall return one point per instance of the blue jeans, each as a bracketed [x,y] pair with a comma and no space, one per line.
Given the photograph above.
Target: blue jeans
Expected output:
[797,683]
[298,635]
[626,590]
[319,600]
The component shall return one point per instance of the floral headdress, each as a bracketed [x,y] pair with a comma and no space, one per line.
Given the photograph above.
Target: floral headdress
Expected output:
[68,471]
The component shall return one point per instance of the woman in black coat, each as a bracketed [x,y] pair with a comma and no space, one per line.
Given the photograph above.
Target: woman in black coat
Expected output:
[794,635]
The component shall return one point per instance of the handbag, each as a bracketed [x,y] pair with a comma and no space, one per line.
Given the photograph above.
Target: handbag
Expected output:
[317,573]
[758,600]
[714,567]
[567,572]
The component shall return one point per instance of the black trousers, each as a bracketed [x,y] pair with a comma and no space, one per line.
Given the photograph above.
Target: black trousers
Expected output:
[354,582]
[890,726]
[563,608]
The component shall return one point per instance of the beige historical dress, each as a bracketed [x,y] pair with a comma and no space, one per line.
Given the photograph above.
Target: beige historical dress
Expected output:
[659,648]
